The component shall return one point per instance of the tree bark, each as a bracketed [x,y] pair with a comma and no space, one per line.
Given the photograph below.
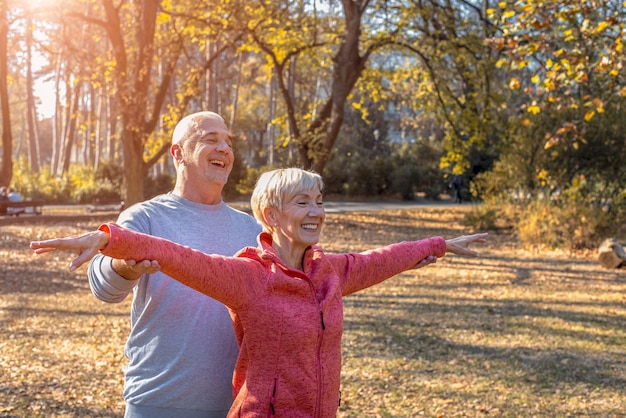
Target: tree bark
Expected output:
[31,111]
[611,254]
[69,134]
[6,165]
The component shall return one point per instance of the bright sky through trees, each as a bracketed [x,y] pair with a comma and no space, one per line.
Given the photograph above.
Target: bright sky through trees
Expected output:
[44,90]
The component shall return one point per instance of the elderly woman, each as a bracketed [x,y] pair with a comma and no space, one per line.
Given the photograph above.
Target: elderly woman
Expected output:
[285,296]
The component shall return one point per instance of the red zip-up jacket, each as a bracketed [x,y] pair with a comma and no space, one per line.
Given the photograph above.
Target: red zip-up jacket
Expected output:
[288,322]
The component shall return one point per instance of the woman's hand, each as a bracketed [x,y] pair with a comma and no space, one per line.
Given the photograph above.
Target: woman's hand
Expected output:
[87,245]
[460,245]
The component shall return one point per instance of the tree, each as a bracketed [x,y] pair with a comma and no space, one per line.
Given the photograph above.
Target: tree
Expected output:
[31,110]
[141,34]
[566,59]
[6,164]
[454,77]
[568,54]
[296,38]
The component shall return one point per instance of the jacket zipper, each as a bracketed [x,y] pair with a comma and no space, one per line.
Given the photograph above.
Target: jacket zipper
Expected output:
[272,410]
[318,407]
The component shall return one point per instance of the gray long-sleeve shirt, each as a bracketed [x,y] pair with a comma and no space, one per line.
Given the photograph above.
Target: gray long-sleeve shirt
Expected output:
[181,348]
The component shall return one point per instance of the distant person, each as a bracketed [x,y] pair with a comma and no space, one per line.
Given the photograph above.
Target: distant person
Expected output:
[285,296]
[181,349]
[457,188]
[13,195]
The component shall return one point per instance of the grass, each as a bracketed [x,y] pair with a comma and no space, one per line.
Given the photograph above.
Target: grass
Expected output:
[514,333]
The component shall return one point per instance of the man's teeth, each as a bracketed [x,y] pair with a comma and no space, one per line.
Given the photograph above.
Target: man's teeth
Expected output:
[216,162]
[309,226]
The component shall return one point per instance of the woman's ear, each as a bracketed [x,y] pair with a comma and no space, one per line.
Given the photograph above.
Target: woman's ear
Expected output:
[270,216]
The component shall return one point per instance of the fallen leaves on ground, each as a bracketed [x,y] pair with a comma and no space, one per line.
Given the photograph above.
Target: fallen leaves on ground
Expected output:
[515,333]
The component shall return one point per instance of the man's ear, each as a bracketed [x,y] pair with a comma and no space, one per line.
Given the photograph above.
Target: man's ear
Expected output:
[177,152]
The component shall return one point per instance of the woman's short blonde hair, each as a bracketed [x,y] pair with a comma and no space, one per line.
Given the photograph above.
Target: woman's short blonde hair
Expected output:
[275,187]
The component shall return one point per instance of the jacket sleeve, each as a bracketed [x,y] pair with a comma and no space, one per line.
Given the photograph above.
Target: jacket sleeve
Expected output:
[358,271]
[105,283]
[226,279]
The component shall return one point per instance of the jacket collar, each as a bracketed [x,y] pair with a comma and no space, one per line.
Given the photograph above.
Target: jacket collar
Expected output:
[268,255]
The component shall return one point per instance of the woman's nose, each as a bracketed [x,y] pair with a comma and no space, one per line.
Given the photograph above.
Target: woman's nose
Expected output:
[316,210]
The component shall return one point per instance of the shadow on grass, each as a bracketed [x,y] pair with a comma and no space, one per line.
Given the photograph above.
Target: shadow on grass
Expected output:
[36,399]
[542,346]
[38,278]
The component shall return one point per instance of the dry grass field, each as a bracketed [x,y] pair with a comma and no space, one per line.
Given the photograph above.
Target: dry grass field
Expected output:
[514,333]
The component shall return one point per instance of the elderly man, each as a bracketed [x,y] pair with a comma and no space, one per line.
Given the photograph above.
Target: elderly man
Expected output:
[181,348]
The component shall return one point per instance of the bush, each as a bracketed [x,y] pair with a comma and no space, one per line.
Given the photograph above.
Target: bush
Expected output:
[41,185]
[160,184]
[401,170]
[574,225]
[246,183]
[80,184]
[481,219]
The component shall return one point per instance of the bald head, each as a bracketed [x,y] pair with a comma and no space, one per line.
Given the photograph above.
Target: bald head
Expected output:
[194,124]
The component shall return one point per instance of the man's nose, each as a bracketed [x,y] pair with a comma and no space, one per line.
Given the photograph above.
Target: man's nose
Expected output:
[222,145]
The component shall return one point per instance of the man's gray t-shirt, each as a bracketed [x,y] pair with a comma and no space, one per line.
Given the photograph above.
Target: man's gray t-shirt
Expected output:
[181,348]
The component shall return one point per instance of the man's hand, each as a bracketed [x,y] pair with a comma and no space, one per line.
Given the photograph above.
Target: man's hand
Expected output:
[133,270]
[431,259]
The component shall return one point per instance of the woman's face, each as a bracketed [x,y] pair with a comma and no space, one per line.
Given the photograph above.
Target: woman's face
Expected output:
[300,221]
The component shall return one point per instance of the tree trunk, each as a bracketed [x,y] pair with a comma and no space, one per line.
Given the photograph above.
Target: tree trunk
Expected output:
[111,132]
[134,167]
[57,119]
[6,165]
[347,70]
[31,111]
[211,97]
[98,133]
[611,254]
[233,113]
[70,131]
[315,144]
[271,129]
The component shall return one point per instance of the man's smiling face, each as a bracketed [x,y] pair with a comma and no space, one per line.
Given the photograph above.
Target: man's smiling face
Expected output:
[208,154]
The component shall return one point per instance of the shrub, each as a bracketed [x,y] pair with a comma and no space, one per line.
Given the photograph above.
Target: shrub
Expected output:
[574,225]
[41,185]
[79,185]
[482,218]
[157,185]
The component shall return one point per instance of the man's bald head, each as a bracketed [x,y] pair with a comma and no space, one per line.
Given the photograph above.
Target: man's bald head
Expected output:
[192,124]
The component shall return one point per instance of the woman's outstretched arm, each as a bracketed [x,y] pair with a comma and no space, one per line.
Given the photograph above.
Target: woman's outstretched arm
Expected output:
[87,245]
